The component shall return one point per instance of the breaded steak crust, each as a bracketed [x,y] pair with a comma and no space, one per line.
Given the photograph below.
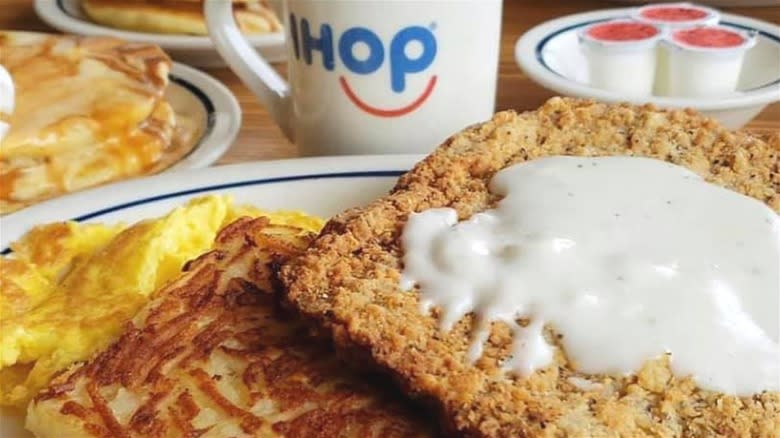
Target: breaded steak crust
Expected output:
[212,356]
[347,283]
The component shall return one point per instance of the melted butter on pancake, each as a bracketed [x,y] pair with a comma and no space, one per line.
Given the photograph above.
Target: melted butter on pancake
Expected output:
[88,111]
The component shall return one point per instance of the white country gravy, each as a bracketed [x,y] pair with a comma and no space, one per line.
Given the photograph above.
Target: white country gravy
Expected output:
[628,258]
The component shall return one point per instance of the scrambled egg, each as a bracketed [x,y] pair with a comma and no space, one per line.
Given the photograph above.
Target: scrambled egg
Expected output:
[68,288]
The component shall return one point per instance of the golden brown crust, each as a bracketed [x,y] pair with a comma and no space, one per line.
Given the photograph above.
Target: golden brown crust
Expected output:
[347,282]
[213,356]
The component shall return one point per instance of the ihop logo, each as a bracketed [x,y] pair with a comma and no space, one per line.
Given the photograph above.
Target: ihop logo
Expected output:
[395,52]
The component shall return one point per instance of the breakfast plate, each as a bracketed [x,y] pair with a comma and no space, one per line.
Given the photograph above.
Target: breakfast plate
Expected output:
[322,185]
[68,16]
[550,55]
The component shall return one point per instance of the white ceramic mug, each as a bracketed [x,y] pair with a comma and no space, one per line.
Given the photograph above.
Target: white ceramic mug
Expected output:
[372,76]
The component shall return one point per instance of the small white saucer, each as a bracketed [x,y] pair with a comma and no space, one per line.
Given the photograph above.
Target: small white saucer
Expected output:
[67,16]
[550,55]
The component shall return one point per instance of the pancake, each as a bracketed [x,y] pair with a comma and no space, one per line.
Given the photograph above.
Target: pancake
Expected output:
[89,110]
[177,16]
[347,283]
[213,355]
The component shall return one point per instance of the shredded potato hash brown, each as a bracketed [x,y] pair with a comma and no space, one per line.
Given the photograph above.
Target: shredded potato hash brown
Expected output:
[68,288]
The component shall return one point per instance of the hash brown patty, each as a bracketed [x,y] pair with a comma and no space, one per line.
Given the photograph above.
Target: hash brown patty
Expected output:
[212,356]
[347,283]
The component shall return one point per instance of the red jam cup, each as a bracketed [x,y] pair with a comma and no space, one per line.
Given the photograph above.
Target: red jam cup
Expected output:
[621,55]
[706,61]
[672,16]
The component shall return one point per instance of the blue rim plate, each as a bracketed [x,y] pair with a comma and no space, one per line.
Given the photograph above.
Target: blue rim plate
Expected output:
[532,53]
[322,186]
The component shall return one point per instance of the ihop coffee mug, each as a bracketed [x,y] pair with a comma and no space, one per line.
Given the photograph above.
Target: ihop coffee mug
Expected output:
[372,76]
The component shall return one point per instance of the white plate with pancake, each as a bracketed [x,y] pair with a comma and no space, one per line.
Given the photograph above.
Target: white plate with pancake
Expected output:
[322,186]
[208,119]
[68,16]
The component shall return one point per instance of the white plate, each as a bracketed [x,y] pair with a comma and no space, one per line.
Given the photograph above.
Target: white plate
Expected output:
[320,185]
[67,16]
[210,108]
[550,55]
[323,186]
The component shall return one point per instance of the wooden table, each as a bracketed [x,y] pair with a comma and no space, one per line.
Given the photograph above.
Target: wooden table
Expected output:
[260,139]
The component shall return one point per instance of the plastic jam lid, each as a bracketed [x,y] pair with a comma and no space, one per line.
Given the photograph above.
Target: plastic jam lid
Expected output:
[711,37]
[674,14]
[620,31]
[677,14]
[716,40]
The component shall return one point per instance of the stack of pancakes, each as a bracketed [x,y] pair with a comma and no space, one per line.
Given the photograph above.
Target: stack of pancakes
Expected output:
[177,16]
[88,110]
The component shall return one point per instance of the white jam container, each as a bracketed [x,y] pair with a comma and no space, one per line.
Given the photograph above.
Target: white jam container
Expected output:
[672,16]
[621,55]
[7,100]
[706,61]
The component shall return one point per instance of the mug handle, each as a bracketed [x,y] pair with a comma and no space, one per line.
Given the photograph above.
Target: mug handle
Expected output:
[255,72]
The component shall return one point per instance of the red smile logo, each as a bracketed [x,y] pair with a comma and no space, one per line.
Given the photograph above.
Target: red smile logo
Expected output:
[387,112]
